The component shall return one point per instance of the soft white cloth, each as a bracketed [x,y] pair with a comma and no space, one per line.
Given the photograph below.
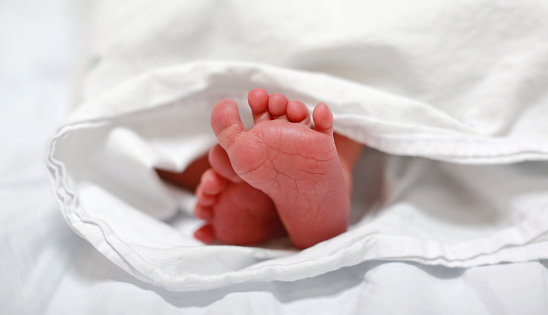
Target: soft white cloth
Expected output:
[456,86]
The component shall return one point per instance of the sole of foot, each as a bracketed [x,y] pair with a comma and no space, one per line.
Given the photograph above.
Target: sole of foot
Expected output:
[290,159]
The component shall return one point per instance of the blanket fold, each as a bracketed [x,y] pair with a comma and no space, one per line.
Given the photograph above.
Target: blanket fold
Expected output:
[454,117]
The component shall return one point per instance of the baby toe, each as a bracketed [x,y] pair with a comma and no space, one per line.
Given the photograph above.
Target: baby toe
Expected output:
[205,234]
[203,212]
[277,104]
[323,119]
[212,183]
[258,103]
[297,112]
[204,199]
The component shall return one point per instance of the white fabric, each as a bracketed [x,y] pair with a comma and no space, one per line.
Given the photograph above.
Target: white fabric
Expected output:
[432,83]
[47,269]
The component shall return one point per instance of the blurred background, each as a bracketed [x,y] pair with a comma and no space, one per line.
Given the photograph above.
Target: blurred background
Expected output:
[38,67]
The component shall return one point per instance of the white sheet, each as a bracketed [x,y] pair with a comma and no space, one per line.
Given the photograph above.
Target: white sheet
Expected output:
[147,101]
[47,269]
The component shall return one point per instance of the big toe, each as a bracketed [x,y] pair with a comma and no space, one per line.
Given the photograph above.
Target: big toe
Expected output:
[226,122]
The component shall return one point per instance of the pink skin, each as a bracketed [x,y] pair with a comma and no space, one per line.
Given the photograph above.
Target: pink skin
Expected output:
[283,158]
[235,213]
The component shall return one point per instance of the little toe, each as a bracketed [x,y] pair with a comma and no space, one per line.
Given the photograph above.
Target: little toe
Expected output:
[220,162]
[277,104]
[258,102]
[226,122]
[297,112]
[205,234]
[323,119]
[203,212]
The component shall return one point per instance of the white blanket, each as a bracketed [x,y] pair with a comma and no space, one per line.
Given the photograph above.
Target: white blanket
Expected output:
[453,93]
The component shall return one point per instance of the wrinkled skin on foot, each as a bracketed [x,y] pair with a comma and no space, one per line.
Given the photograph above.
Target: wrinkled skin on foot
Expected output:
[284,157]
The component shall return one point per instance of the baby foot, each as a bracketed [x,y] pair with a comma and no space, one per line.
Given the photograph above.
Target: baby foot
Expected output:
[235,212]
[293,163]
